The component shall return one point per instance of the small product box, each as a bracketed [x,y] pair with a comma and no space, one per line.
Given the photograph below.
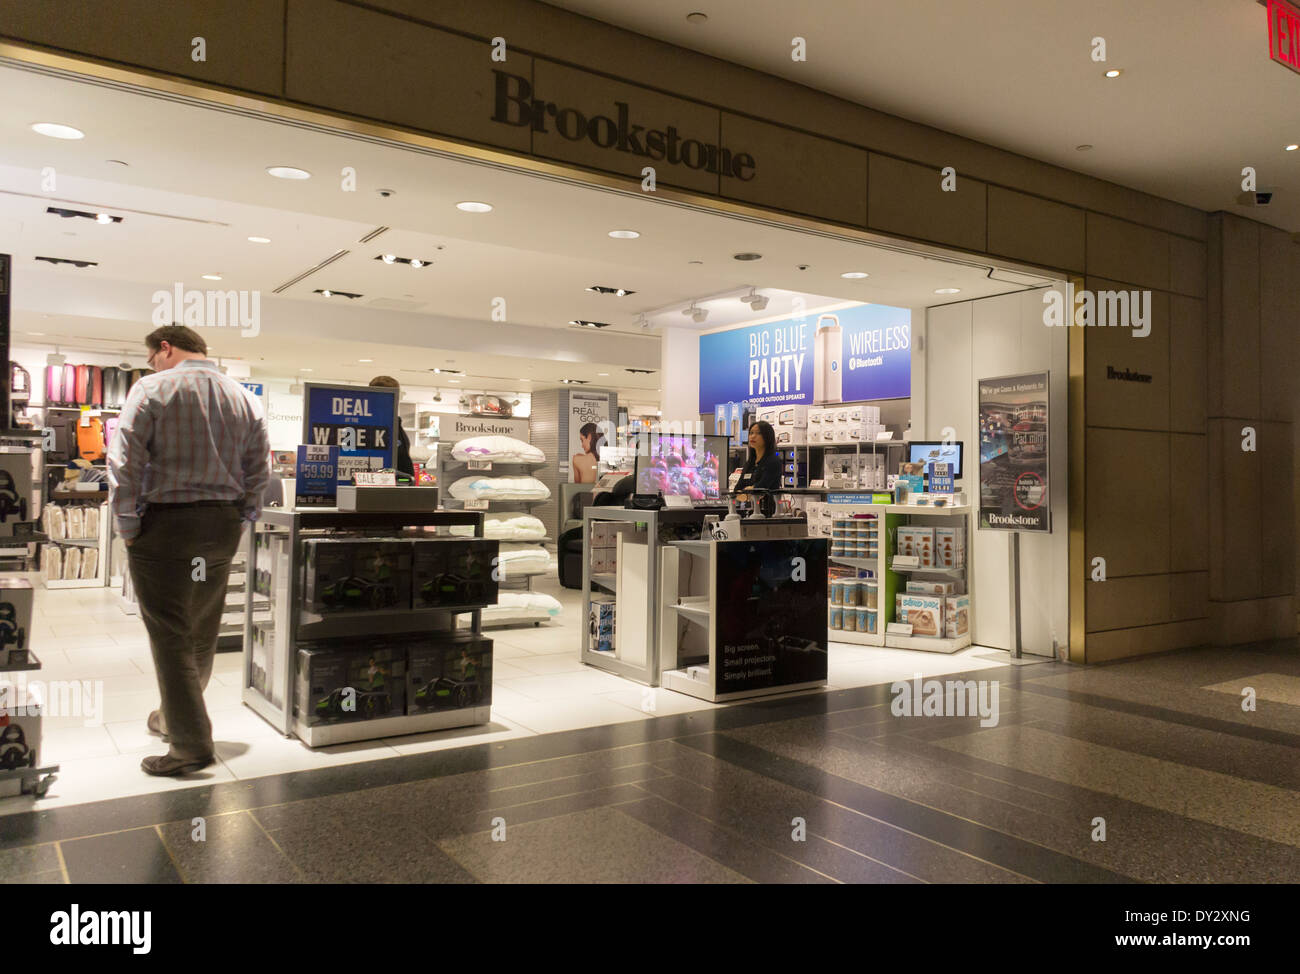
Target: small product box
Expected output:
[931,588]
[957,615]
[600,624]
[262,665]
[448,673]
[21,712]
[15,621]
[455,572]
[791,435]
[342,681]
[950,547]
[15,491]
[924,613]
[356,574]
[792,416]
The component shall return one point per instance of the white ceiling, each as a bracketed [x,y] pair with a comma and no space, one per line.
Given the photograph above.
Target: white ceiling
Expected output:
[1198,98]
[195,188]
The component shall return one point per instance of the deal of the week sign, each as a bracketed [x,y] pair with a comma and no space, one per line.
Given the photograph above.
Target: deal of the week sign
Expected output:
[359,420]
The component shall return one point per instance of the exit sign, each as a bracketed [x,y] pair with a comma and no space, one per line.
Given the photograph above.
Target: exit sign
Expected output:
[1284,34]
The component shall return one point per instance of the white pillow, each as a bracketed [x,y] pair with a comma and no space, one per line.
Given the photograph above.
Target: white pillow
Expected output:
[513,527]
[503,448]
[523,559]
[514,607]
[499,488]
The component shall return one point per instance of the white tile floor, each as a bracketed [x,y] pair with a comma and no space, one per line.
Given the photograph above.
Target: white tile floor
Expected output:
[538,687]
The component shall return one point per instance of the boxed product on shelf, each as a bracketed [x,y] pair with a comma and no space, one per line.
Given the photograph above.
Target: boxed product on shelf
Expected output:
[351,574]
[791,435]
[21,712]
[15,491]
[792,416]
[924,613]
[913,540]
[340,681]
[455,572]
[950,547]
[445,672]
[262,666]
[15,621]
[601,624]
[956,615]
[931,588]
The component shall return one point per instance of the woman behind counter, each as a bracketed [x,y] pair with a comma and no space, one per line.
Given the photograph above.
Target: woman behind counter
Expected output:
[762,470]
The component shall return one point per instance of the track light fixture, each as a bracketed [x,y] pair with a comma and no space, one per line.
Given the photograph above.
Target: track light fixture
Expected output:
[696,314]
[756,301]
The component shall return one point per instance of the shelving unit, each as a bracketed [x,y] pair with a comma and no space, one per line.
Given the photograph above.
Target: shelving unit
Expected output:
[100,542]
[931,644]
[23,750]
[292,624]
[450,470]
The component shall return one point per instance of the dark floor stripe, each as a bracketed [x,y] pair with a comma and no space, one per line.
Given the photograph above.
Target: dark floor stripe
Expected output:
[984,843]
[736,853]
[1103,702]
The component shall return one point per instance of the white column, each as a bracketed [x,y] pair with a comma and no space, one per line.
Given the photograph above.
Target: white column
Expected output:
[679,371]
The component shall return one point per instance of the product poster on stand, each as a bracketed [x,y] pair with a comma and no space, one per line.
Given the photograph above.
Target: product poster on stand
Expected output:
[846,355]
[772,631]
[588,411]
[1014,492]
[359,420]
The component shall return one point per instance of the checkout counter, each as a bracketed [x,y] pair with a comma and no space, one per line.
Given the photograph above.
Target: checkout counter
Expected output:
[668,605]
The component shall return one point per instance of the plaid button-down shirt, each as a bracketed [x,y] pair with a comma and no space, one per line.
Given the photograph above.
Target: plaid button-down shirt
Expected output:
[187,434]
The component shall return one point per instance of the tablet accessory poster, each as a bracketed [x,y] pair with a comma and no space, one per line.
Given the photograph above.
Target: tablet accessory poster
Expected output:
[1013,451]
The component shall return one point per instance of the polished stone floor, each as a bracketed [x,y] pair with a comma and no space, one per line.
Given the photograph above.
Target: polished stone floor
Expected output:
[833,787]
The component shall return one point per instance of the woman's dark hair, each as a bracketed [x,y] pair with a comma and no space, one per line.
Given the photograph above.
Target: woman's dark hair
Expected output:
[769,440]
[597,437]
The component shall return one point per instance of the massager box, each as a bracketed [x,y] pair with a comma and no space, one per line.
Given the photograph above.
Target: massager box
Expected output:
[452,573]
[15,621]
[356,574]
[341,680]
[20,733]
[16,505]
[448,673]
[601,624]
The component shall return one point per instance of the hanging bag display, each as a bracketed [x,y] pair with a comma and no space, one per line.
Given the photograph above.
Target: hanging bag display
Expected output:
[90,438]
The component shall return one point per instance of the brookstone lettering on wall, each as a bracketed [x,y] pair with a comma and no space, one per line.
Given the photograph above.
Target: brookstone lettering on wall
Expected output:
[515,105]
[1126,375]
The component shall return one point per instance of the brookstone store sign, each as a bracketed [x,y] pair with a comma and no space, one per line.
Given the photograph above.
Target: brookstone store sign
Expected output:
[514,104]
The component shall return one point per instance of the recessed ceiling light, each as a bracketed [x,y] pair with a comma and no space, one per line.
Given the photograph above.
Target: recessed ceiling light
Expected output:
[1083,148]
[56,131]
[212,277]
[365,360]
[103,218]
[1114,72]
[624,234]
[388,258]
[747,256]
[117,162]
[1292,147]
[697,18]
[598,373]
[695,262]
[38,333]
[472,206]
[259,239]
[947,290]
[288,172]
[415,262]
[854,275]
[305,370]
[457,381]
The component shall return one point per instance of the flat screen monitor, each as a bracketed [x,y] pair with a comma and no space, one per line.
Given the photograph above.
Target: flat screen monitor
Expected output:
[934,451]
[691,466]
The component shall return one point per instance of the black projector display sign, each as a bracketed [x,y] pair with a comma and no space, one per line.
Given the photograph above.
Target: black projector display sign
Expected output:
[514,104]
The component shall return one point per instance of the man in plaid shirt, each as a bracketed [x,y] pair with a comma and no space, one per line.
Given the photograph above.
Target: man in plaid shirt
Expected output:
[188,465]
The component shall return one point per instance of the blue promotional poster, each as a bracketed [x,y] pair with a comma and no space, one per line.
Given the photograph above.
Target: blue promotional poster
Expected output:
[359,420]
[846,355]
[315,482]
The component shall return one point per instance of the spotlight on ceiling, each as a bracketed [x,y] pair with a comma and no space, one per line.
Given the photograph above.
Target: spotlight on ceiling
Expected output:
[55,358]
[696,314]
[756,301]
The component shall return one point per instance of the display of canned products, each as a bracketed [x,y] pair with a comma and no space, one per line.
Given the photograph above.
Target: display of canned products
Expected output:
[865,619]
[850,620]
[837,592]
[872,620]
[872,590]
[837,617]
